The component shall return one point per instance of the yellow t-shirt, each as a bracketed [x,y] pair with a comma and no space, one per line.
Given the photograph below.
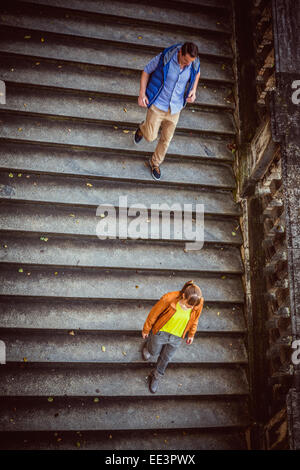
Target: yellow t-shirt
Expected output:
[177,323]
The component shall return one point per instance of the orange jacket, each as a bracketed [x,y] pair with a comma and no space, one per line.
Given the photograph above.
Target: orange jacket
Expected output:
[165,308]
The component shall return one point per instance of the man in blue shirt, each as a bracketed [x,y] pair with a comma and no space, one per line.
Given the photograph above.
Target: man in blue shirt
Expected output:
[168,82]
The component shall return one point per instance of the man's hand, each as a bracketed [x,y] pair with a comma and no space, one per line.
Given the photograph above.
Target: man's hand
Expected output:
[192,96]
[143,101]
[144,335]
[189,340]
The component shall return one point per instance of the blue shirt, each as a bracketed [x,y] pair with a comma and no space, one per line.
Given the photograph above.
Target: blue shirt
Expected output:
[172,94]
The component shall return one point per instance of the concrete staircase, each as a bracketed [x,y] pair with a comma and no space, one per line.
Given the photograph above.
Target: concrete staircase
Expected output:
[72,305]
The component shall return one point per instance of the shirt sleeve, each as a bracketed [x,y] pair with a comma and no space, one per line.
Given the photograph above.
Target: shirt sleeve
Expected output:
[151,66]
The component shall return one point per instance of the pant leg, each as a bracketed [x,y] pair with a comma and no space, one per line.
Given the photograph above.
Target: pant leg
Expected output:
[168,127]
[167,352]
[151,125]
[156,342]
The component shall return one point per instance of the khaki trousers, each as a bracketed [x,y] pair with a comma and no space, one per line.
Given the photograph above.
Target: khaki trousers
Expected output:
[155,119]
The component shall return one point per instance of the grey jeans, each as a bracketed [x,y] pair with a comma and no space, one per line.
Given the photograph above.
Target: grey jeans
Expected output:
[165,344]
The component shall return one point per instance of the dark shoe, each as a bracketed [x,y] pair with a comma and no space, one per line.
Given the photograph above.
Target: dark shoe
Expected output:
[155,171]
[154,381]
[138,136]
[145,353]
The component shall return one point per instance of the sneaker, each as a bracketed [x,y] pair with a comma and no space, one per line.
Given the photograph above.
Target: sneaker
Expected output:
[153,382]
[138,136]
[155,171]
[145,353]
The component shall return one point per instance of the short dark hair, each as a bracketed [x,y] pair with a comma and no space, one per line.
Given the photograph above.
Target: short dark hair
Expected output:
[189,48]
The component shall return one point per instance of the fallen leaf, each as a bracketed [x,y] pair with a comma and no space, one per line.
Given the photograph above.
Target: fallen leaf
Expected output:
[103,348]
[89,185]
[102,215]
[125,110]
[42,39]
[78,444]
[124,353]
[125,131]
[110,436]
[20,270]
[50,399]
[56,273]
[71,333]
[136,287]
[19,175]
[4,246]
[223,277]
[218,313]
[116,127]
[11,175]
[25,359]
[140,37]
[24,105]
[223,67]
[157,417]
[233,233]
[96,400]
[72,215]
[20,129]
[37,63]
[27,37]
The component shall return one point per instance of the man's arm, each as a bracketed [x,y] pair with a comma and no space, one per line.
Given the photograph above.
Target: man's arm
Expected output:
[150,67]
[142,99]
[192,94]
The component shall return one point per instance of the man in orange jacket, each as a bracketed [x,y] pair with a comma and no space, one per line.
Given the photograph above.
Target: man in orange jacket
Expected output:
[171,318]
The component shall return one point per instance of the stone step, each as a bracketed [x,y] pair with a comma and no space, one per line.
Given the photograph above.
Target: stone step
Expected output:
[80,414]
[107,109]
[25,159]
[90,135]
[55,219]
[97,79]
[121,381]
[93,348]
[148,255]
[92,315]
[171,439]
[145,12]
[103,27]
[84,51]
[222,4]
[75,192]
[80,283]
